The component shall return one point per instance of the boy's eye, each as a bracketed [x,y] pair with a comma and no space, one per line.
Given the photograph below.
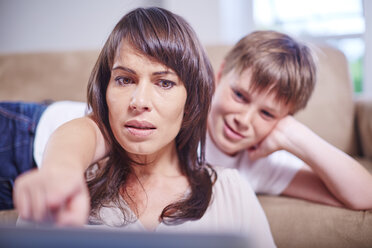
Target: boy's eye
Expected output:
[267,114]
[166,84]
[124,80]
[239,96]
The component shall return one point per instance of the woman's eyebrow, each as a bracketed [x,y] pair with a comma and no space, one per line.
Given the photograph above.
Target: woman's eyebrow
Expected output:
[123,68]
[164,73]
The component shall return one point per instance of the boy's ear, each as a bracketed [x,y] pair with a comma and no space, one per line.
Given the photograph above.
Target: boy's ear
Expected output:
[219,72]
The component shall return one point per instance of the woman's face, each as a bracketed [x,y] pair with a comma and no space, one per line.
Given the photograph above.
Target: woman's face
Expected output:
[146,103]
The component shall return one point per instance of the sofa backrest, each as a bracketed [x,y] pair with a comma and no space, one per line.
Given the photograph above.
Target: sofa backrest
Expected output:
[330,111]
[46,76]
[64,76]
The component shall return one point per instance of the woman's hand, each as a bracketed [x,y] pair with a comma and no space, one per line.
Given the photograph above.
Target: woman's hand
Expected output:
[56,195]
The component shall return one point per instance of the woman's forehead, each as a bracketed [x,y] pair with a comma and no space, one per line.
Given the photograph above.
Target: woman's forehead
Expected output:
[128,55]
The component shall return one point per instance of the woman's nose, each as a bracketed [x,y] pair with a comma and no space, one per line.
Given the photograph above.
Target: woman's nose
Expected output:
[141,98]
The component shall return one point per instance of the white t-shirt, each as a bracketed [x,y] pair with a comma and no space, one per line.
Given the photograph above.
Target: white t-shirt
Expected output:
[54,116]
[234,208]
[269,175]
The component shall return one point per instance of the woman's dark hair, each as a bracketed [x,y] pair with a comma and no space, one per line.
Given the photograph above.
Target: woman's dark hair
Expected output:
[169,40]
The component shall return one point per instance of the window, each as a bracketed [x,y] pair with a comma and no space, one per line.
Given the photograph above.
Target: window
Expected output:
[340,23]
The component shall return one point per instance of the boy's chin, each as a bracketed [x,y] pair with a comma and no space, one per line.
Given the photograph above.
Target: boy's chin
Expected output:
[230,148]
[227,148]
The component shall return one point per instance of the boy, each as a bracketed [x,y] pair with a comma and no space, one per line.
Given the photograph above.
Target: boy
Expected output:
[265,79]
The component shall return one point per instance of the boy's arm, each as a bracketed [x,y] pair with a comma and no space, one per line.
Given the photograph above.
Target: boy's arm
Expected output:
[307,185]
[335,178]
[58,192]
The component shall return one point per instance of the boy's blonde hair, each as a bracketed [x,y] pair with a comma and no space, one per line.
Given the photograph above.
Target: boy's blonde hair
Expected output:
[278,64]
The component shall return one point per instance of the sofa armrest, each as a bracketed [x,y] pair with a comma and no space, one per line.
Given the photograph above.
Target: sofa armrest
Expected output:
[363,112]
[299,223]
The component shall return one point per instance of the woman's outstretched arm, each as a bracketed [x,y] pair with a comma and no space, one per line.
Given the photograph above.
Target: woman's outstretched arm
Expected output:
[57,192]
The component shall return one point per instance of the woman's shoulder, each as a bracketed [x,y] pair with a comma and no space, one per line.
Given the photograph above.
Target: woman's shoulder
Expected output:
[231,178]
[226,173]
[233,195]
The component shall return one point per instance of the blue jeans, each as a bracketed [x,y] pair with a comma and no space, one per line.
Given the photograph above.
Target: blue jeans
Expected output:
[18,123]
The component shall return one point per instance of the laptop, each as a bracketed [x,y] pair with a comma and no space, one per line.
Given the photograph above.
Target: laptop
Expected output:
[53,237]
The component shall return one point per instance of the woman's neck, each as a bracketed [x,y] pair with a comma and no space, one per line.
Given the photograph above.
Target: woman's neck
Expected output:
[164,162]
[155,184]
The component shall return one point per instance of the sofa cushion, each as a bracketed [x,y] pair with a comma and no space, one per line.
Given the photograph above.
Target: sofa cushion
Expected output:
[298,223]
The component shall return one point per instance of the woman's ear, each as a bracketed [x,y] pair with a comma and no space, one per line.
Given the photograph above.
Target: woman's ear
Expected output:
[219,72]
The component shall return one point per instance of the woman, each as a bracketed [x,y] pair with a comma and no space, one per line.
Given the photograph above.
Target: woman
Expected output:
[149,93]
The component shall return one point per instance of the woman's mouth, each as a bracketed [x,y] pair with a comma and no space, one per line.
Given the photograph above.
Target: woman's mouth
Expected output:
[140,128]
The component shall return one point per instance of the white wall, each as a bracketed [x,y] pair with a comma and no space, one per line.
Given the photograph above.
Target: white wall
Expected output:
[236,20]
[203,16]
[216,21]
[367,77]
[52,25]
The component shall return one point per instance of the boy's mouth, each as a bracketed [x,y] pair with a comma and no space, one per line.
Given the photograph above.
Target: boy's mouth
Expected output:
[231,134]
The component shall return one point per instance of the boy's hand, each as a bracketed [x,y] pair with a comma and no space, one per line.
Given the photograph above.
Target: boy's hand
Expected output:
[53,195]
[278,139]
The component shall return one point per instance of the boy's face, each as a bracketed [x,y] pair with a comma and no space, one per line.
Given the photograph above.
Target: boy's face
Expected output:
[239,118]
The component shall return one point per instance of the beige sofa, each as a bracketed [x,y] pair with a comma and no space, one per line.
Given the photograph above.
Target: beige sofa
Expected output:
[332,112]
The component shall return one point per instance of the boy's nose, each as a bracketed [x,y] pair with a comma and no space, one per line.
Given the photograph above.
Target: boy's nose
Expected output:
[244,119]
[141,98]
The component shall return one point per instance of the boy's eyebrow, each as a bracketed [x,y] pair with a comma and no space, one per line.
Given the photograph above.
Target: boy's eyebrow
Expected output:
[246,93]
[272,110]
[166,72]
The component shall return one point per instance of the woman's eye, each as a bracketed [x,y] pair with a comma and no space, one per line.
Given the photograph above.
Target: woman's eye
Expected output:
[166,84]
[123,80]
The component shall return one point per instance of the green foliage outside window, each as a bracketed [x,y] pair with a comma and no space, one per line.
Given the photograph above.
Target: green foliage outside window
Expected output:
[356,68]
